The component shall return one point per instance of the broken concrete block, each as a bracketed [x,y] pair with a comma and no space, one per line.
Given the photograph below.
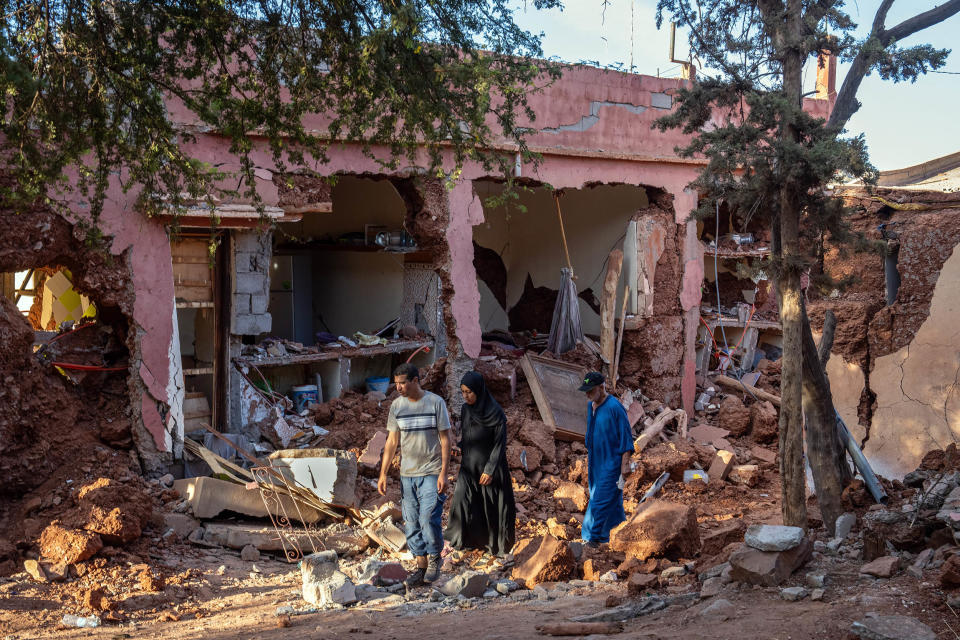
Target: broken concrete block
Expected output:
[793,594]
[949,513]
[181,524]
[771,537]
[208,497]
[262,538]
[70,546]
[845,524]
[347,541]
[745,474]
[721,465]
[711,587]
[372,454]
[323,582]
[658,528]
[768,568]
[571,496]
[386,534]
[891,628]
[542,559]
[330,474]
[382,573]
[883,567]
[34,570]
[470,584]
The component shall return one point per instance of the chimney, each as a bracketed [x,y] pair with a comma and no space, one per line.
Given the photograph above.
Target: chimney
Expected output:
[826,76]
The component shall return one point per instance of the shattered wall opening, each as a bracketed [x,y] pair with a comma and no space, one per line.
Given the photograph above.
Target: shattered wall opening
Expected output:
[740,318]
[63,395]
[354,286]
[893,368]
[518,252]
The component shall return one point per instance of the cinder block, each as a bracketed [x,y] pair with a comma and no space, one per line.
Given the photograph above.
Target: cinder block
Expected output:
[241,304]
[251,325]
[251,283]
[251,241]
[259,303]
[242,261]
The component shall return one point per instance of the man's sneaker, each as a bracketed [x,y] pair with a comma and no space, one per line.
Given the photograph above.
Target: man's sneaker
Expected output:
[433,568]
[415,579]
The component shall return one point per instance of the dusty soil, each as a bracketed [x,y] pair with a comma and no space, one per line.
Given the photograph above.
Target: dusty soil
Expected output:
[187,593]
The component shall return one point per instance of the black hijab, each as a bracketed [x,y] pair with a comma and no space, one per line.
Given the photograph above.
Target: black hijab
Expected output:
[485,412]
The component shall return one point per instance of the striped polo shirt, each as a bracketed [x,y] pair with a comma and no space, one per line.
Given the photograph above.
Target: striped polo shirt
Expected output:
[419,424]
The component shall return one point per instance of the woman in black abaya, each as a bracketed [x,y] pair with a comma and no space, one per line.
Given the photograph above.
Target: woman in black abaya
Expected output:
[483,513]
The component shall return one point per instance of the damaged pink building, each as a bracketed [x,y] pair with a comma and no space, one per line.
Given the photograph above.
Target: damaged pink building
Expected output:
[184,312]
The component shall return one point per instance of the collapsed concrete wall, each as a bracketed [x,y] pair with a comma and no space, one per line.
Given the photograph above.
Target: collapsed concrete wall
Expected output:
[894,368]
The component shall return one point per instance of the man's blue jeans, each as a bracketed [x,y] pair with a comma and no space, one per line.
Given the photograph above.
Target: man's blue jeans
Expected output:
[422,511]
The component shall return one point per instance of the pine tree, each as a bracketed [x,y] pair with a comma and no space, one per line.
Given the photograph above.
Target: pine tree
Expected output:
[765,154]
[89,86]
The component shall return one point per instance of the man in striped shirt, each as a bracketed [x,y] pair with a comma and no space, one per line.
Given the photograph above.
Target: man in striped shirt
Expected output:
[419,424]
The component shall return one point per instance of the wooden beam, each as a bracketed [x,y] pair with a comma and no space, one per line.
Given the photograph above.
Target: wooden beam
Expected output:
[615,374]
[608,306]
[732,383]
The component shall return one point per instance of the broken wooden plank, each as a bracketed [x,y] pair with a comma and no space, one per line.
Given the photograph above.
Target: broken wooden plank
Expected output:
[579,628]
[608,304]
[732,383]
[616,356]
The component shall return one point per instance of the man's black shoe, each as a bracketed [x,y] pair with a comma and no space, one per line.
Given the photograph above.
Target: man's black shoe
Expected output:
[433,568]
[415,579]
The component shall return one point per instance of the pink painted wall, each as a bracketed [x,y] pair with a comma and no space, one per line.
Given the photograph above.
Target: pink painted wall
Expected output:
[592,126]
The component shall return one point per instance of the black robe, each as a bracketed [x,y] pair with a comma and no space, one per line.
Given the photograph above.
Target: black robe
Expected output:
[482,517]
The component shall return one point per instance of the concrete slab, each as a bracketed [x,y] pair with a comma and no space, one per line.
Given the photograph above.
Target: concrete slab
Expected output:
[208,497]
[330,474]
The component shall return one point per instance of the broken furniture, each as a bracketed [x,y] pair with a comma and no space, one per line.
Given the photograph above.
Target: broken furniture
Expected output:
[340,368]
[554,386]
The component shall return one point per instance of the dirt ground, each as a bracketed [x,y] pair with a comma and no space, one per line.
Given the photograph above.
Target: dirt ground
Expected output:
[243,605]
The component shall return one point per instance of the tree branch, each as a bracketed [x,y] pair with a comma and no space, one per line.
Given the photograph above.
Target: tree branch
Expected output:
[847,104]
[920,21]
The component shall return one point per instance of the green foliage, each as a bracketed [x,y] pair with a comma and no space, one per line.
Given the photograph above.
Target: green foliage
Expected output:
[762,149]
[97,89]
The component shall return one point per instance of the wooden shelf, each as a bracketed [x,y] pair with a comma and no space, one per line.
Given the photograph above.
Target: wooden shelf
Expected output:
[310,247]
[400,346]
[198,371]
[756,252]
[206,304]
[726,321]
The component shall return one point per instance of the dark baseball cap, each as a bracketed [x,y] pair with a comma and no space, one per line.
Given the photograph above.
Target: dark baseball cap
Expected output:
[591,380]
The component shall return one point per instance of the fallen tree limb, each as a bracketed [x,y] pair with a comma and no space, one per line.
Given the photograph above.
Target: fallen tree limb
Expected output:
[579,628]
[650,432]
[732,383]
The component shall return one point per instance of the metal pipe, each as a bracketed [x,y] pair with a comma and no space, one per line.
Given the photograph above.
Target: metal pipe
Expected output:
[860,462]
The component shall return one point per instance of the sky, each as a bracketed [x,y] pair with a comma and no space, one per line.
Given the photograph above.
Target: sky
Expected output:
[904,124]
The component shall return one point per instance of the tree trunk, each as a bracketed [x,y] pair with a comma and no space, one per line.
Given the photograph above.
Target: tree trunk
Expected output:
[822,441]
[792,474]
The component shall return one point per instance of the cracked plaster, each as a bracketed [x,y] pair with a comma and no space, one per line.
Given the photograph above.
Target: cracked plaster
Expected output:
[918,400]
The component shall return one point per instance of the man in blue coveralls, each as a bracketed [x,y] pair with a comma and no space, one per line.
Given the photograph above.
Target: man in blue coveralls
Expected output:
[609,447]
